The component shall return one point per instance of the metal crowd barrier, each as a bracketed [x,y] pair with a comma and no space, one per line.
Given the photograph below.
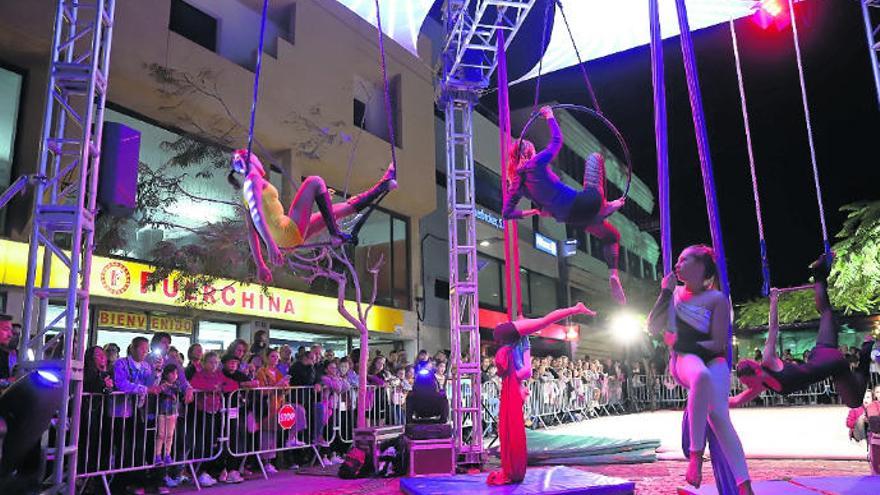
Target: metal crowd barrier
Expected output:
[662,391]
[122,433]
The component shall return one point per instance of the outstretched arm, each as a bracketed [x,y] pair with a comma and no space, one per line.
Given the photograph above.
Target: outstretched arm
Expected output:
[769,357]
[263,272]
[528,326]
[549,153]
[745,396]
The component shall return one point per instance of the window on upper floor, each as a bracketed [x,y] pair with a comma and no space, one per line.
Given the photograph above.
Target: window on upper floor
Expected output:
[491,289]
[193,24]
[10,99]
[369,108]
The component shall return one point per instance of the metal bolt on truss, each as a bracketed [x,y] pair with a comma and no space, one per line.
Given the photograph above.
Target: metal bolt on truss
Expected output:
[63,224]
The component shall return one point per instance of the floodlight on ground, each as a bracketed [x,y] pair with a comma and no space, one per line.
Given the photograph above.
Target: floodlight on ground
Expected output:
[27,407]
[627,327]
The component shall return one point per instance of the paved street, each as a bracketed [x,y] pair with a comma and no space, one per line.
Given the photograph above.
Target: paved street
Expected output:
[651,479]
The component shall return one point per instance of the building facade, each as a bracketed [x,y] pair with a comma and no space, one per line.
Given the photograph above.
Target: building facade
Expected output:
[182,75]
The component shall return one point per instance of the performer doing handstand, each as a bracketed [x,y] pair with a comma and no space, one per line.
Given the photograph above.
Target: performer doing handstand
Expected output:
[513,360]
[825,360]
[266,219]
[530,175]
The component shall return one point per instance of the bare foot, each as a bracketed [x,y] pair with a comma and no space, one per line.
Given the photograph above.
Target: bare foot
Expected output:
[611,207]
[745,488]
[391,176]
[583,309]
[617,289]
[694,476]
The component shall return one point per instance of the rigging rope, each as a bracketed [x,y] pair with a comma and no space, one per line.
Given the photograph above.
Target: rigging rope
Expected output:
[581,64]
[765,262]
[797,51]
[257,70]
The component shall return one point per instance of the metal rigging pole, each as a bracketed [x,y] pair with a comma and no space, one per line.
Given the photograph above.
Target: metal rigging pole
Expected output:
[63,225]
[871,14]
[468,60]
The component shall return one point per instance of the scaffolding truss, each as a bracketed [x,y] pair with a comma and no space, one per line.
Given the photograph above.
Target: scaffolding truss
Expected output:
[62,235]
[469,58]
[871,14]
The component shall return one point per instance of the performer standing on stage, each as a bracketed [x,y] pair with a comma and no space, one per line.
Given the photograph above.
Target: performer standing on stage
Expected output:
[513,360]
[695,318]
[530,175]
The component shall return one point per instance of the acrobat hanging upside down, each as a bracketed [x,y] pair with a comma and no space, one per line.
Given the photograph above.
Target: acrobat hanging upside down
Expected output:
[284,232]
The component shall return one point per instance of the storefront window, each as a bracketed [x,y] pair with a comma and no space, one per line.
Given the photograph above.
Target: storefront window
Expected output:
[216,336]
[491,291]
[123,338]
[10,97]
[336,343]
[386,236]
[543,294]
[182,190]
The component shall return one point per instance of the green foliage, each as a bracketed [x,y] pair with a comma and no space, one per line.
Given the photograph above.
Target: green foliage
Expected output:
[854,284]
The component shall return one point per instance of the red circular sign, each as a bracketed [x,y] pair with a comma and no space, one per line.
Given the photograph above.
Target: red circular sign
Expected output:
[286,417]
[115,278]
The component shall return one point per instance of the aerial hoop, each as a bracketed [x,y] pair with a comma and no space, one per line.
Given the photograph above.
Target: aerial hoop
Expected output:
[596,116]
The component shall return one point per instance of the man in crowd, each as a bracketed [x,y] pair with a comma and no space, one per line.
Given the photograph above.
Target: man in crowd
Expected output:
[5,351]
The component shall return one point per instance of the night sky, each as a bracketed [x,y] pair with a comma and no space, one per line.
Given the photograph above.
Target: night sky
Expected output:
[845,121]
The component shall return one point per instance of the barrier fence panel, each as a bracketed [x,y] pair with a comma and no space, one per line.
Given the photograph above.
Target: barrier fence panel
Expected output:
[130,432]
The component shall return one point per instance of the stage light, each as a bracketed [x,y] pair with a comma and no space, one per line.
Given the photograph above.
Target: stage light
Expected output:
[772,13]
[772,7]
[27,407]
[627,327]
[485,243]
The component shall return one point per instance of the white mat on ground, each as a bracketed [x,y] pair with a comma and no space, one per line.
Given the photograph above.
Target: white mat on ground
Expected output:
[801,432]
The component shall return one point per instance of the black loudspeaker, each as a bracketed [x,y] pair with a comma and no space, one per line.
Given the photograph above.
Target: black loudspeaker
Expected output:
[118,177]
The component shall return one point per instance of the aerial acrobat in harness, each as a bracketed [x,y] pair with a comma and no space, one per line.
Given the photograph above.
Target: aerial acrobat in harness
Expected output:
[530,175]
[280,232]
[284,233]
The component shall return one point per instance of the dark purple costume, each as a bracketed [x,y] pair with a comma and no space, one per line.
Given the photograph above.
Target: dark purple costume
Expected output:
[540,184]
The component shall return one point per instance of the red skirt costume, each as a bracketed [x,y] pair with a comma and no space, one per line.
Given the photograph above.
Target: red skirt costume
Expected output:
[511,425]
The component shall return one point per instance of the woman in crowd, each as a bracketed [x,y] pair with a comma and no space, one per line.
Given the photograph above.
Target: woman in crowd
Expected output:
[269,225]
[332,387]
[111,350]
[696,317]
[212,384]
[285,354]
[272,377]
[238,348]
[530,175]
[194,355]
[94,434]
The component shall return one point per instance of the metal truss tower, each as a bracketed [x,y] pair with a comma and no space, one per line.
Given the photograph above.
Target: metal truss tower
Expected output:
[871,13]
[62,236]
[468,58]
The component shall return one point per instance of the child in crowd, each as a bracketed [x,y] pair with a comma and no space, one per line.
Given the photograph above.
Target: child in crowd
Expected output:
[169,401]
